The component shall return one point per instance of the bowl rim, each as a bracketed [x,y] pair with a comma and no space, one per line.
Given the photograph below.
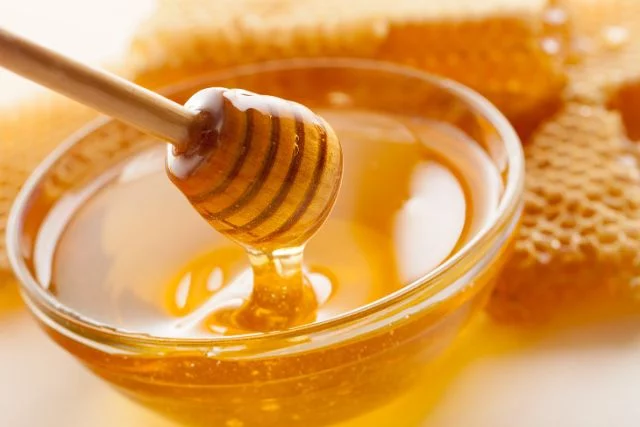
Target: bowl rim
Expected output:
[510,206]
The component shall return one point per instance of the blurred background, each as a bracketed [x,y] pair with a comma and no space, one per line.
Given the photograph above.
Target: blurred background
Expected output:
[572,377]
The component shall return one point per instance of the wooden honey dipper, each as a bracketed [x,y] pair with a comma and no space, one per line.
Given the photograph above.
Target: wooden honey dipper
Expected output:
[268,173]
[262,170]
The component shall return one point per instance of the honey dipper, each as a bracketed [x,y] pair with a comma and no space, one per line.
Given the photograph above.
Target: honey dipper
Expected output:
[262,170]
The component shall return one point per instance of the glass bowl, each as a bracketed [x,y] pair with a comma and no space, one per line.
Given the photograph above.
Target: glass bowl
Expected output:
[312,375]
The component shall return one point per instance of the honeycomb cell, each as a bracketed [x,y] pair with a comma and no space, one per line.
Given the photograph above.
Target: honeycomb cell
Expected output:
[577,240]
[597,221]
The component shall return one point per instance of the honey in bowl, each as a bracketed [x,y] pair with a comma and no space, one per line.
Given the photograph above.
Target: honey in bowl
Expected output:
[125,275]
[414,191]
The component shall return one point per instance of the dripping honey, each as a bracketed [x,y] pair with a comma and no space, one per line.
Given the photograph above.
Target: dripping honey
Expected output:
[264,172]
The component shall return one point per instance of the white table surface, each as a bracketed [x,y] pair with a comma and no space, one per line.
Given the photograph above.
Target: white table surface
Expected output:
[586,376]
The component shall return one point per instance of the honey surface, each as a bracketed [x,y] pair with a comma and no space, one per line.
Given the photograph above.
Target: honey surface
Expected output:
[137,257]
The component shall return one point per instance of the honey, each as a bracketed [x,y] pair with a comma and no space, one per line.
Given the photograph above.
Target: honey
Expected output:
[414,191]
[264,172]
[124,274]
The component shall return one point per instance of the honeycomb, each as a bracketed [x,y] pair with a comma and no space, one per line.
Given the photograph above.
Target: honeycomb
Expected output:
[514,49]
[580,232]
[580,237]
[607,41]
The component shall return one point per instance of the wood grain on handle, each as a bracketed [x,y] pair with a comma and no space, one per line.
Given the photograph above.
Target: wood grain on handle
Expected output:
[106,92]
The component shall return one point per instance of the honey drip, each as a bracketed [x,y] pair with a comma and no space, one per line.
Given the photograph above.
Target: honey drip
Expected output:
[265,173]
[281,294]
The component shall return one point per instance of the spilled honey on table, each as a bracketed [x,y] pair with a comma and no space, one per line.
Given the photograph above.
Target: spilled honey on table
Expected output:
[137,257]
